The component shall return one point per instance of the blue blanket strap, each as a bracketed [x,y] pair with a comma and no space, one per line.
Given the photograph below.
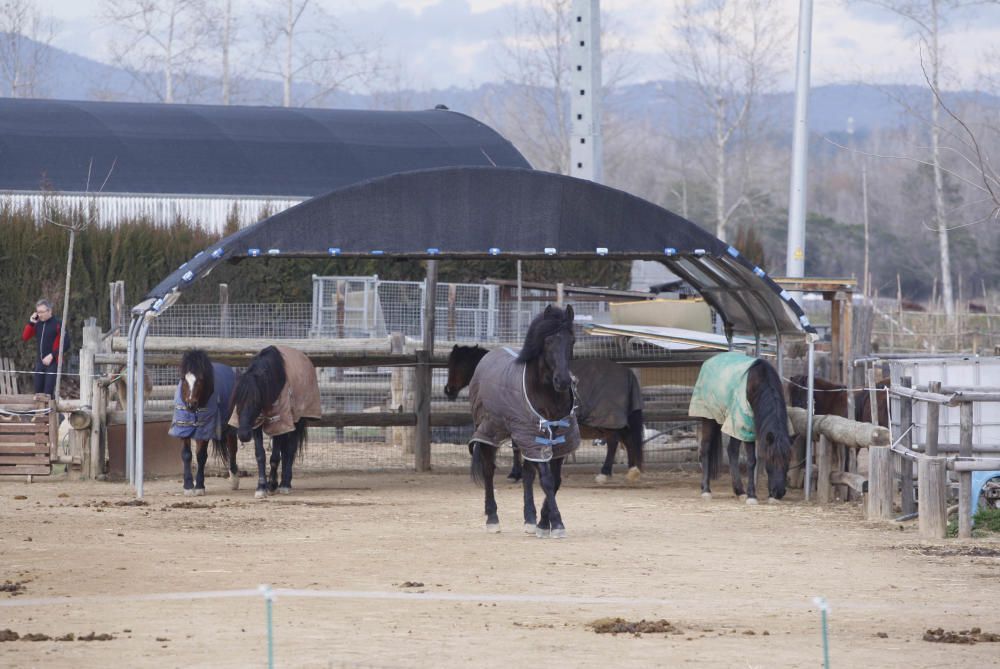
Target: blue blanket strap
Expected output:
[561,439]
[562,422]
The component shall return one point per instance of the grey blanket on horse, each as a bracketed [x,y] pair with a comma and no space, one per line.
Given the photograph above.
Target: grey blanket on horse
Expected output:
[501,410]
[602,403]
[298,399]
[205,423]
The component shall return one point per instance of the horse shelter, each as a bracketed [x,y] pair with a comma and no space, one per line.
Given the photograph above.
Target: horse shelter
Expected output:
[473,213]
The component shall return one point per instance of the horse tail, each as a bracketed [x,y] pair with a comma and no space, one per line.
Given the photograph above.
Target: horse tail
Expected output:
[301,436]
[476,470]
[714,449]
[636,435]
[219,449]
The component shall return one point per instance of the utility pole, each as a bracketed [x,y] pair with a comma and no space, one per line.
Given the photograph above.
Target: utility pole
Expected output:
[796,254]
[586,150]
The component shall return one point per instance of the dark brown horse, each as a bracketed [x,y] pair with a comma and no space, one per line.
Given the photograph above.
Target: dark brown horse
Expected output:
[735,385]
[201,412]
[830,399]
[528,398]
[610,406]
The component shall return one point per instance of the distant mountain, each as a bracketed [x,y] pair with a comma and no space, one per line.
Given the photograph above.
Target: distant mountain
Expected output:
[74,77]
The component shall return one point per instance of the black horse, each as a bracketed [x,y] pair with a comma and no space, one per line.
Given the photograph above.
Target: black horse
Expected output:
[735,385]
[201,411]
[264,402]
[610,406]
[530,399]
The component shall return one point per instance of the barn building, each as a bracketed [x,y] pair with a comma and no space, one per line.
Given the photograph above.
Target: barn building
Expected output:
[206,163]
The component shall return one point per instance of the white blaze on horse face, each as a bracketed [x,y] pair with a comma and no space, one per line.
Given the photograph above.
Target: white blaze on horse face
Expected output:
[190,378]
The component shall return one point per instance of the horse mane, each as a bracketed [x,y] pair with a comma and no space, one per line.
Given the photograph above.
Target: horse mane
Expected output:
[197,362]
[545,324]
[262,381]
[766,397]
[462,353]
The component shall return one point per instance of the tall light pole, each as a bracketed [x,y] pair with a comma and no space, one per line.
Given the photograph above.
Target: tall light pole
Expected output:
[796,253]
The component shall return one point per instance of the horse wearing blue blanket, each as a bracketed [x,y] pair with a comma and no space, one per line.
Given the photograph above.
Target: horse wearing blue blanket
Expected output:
[201,410]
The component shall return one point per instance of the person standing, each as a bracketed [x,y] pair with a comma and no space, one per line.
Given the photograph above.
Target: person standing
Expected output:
[47,329]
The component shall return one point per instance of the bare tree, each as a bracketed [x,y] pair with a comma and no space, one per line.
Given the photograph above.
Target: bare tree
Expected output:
[928,19]
[729,53]
[25,35]
[535,62]
[304,45]
[160,43]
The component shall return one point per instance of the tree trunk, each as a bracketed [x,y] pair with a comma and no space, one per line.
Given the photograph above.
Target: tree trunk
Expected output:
[720,171]
[939,212]
[289,32]
[168,62]
[226,37]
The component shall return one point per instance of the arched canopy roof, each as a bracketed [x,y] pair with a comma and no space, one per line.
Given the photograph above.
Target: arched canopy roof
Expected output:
[482,212]
[229,151]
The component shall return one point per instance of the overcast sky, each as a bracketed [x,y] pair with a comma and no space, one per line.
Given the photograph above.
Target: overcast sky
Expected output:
[455,42]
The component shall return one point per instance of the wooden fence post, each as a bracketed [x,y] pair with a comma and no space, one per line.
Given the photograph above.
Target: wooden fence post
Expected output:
[401,391]
[906,501]
[81,446]
[932,481]
[933,420]
[965,478]
[824,461]
[224,328]
[880,483]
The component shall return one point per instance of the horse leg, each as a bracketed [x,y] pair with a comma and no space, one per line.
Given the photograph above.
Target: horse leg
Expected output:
[751,472]
[705,429]
[528,483]
[516,470]
[234,471]
[186,459]
[609,460]
[633,448]
[489,455]
[272,481]
[733,450]
[202,455]
[288,447]
[549,472]
[261,455]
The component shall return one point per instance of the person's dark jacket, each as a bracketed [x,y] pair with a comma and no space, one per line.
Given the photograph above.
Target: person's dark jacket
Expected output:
[48,333]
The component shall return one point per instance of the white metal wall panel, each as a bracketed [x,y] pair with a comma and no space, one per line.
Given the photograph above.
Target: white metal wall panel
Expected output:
[960,372]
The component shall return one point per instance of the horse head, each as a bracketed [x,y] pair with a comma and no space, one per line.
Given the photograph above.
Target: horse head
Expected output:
[462,362]
[257,390]
[197,380]
[550,338]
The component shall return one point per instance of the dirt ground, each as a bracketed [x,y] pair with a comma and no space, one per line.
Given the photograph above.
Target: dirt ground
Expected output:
[411,579]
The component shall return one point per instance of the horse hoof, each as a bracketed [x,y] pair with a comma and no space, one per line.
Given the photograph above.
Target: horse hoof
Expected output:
[529,528]
[771,500]
[493,528]
[558,533]
[260,494]
[601,478]
[234,482]
[188,492]
[199,492]
[633,474]
[751,500]
[706,495]
[513,479]
[284,491]
[542,533]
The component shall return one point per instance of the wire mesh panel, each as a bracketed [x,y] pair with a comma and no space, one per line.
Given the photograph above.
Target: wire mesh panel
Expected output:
[367,307]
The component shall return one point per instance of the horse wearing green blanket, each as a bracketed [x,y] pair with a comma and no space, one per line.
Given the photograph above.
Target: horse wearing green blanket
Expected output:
[742,397]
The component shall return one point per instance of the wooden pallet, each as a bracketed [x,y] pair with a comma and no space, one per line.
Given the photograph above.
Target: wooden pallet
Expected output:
[25,442]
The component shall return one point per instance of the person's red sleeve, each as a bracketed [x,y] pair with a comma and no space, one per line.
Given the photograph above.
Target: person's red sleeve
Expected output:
[55,342]
[29,332]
